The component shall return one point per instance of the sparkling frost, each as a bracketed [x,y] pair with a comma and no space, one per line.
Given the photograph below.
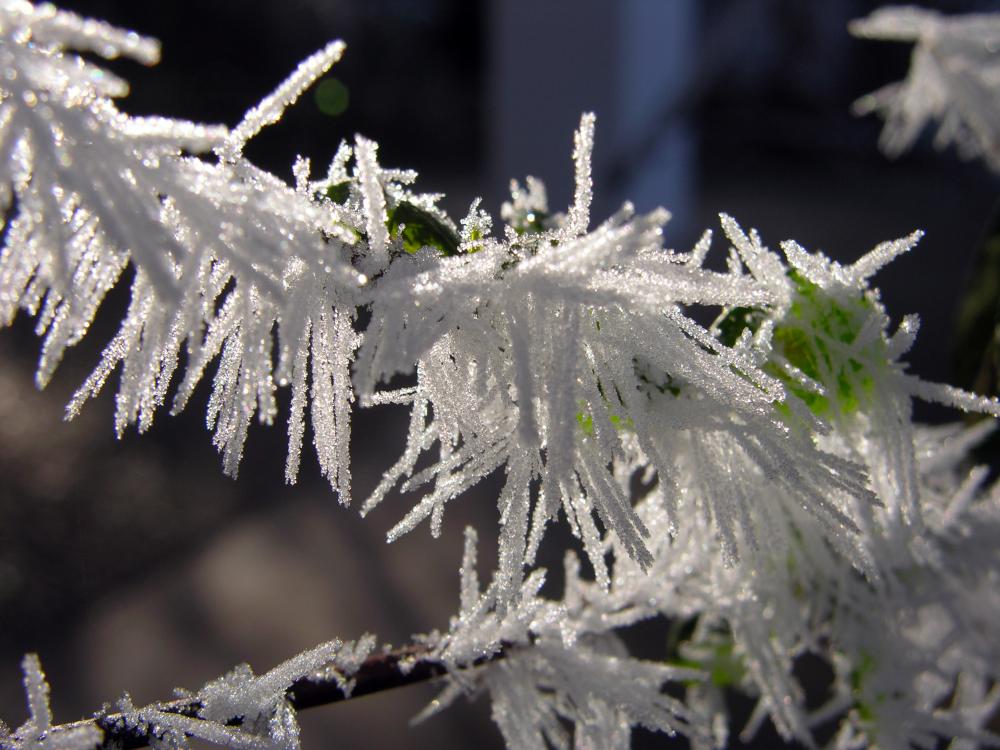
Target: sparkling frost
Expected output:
[954,79]
[787,505]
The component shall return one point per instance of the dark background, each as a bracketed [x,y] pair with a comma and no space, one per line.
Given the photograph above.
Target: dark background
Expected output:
[136,565]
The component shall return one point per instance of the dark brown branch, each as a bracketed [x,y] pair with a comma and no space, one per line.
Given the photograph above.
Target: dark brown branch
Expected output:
[378,672]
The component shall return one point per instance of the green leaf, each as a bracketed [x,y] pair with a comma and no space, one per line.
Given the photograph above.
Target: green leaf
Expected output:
[736,321]
[726,668]
[866,665]
[339,192]
[717,657]
[421,229]
[621,424]
[814,320]
[857,677]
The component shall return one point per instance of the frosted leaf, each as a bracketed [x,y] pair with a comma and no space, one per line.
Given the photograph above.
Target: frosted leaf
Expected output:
[954,79]
[899,651]
[71,158]
[225,253]
[219,316]
[910,687]
[829,342]
[601,695]
[689,578]
[568,343]
[543,676]
[260,704]
[59,29]
[374,206]
[790,504]
[475,226]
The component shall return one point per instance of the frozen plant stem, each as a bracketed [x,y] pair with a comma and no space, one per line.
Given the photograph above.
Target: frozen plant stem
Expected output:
[379,672]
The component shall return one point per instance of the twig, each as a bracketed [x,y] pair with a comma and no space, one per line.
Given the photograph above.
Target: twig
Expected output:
[379,672]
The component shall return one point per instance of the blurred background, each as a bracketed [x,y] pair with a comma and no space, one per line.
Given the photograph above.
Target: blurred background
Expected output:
[135,565]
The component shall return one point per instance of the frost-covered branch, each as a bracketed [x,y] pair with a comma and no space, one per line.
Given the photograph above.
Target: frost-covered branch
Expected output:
[223,251]
[758,482]
[131,727]
[238,709]
[954,79]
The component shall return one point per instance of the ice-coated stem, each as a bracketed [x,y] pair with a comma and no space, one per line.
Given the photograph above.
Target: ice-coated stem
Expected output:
[406,665]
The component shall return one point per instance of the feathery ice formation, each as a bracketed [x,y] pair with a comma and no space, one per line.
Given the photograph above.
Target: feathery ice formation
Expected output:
[789,504]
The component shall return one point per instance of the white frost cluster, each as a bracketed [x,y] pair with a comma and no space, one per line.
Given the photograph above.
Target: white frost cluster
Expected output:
[555,669]
[954,79]
[757,482]
[37,733]
[913,661]
[238,710]
[267,719]
[564,340]
[222,250]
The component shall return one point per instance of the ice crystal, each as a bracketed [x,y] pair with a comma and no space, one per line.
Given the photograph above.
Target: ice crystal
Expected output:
[224,253]
[567,339]
[954,79]
[549,676]
[602,695]
[261,702]
[244,711]
[787,505]
[829,341]
[270,110]
[38,733]
[910,660]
